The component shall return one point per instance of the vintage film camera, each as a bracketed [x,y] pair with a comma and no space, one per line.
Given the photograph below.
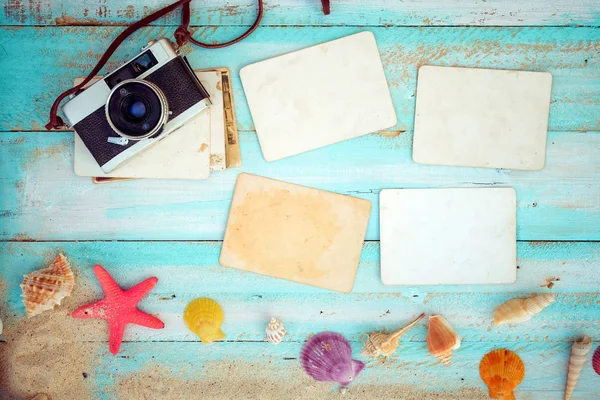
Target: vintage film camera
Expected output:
[136,105]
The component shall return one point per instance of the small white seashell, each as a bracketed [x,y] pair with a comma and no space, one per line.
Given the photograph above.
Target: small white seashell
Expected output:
[1,326]
[275,331]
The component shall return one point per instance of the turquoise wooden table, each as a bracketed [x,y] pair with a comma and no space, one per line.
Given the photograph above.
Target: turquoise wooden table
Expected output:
[172,229]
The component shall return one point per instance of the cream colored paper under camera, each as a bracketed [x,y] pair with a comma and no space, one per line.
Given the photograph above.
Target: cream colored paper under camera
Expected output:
[190,152]
[318,96]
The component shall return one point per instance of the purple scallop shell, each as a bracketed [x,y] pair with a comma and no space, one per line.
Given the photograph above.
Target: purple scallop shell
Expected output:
[596,361]
[327,356]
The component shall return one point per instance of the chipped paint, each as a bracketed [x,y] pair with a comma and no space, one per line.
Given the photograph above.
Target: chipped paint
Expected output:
[69,20]
[561,50]
[298,12]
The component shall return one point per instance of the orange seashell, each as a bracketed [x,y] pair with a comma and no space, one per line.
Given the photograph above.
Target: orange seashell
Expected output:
[442,339]
[45,288]
[502,371]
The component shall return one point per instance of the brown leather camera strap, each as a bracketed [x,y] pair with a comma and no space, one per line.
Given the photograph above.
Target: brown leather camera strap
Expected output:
[182,36]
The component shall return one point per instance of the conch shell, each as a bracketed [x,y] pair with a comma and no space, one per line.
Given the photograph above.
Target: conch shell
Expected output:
[502,371]
[521,310]
[385,344]
[44,289]
[579,353]
[596,361]
[442,339]
[275,331]
[204,317]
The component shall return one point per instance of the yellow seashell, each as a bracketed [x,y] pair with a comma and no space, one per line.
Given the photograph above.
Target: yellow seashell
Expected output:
[385,344]
[521,310]
[204,317]
[579,353]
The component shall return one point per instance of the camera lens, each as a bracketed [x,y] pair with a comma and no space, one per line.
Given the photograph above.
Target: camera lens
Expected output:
[136,109]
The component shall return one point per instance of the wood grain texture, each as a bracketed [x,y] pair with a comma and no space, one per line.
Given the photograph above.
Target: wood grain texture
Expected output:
[42,199]
[249,299]
[308,12]
[57,55]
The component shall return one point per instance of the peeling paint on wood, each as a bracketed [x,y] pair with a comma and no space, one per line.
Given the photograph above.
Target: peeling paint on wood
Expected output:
[62,53]
[248,298]
[301,12]
[53,203]
[42,199]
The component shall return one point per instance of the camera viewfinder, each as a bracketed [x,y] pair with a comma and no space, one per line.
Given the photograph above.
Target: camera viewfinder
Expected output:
[144,62]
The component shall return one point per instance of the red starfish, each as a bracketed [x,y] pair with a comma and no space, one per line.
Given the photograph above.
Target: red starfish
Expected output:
[119,307]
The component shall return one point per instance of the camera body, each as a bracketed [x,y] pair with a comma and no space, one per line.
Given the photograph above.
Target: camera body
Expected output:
[136,105]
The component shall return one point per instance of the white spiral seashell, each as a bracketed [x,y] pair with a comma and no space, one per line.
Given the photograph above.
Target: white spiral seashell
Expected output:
[275,331]
[521,310]
[579,353]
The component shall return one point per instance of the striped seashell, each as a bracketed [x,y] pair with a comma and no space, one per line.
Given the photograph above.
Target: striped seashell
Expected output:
[579,353]
[521,310]
[44,289]
[275,331]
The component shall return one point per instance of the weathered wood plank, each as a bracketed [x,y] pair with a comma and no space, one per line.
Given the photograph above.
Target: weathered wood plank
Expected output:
[260,371]
[38,63]
[575,263]
[301,12]
[42,199]
[249,299]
